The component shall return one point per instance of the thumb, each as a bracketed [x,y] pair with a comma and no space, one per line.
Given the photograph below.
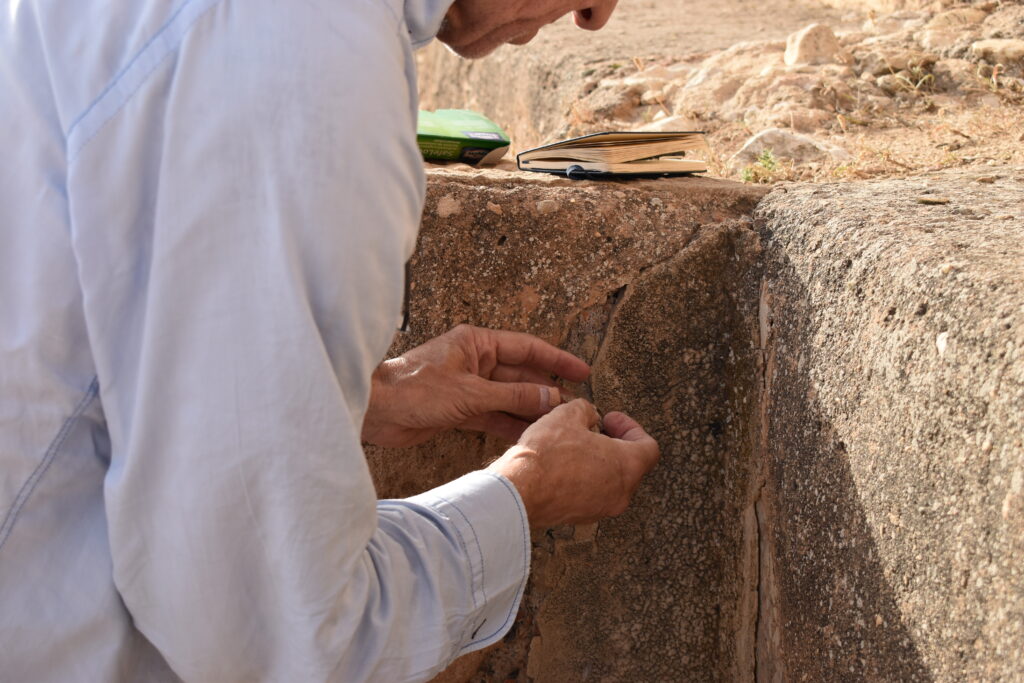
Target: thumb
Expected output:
[621,426]
[519,398]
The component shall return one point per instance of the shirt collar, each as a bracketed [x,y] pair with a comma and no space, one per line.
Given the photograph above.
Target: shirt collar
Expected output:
[423,19]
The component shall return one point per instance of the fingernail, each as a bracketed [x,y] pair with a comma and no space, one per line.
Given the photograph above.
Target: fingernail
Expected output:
[545,399]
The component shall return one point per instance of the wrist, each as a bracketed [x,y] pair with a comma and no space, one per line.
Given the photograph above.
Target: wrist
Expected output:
[383,383]
[521,466]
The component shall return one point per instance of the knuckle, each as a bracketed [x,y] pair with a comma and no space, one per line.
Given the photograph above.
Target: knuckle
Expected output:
[519,394]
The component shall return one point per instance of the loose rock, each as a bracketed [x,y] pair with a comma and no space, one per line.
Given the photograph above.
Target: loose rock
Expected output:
[815,44]
[782,143]
[880,62]
[957,18]
[547,206]
[955,74]
[1005,51]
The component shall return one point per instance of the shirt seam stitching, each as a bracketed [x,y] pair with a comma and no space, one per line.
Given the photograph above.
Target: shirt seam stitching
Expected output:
[454,527]
[48,457]
[479,550]
[124,70]
[522,584]
[142,79]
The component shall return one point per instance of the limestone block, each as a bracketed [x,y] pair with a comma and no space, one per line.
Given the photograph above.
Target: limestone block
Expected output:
[654,282]
[895,435]
[815,44]
[836,387]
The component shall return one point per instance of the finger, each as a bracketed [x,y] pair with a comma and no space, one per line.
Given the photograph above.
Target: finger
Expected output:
[500,425]
[621,426]
[518,348]
[518,398]
[578,411]
[521,373]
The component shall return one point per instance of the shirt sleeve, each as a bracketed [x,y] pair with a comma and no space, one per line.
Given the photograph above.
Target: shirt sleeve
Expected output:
[243,199]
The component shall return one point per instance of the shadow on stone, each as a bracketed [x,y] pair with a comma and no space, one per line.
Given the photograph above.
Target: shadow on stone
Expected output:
[828,611]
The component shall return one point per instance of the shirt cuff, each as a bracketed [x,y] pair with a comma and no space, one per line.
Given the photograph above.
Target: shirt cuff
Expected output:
[487,513]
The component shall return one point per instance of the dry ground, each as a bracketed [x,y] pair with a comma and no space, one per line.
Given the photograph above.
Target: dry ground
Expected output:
[935,102]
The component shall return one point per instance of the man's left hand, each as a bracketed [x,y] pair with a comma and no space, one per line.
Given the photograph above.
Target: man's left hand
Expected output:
[471,378]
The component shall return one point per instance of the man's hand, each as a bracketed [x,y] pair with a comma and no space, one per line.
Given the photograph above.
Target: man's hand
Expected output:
[565,473]
[470,377]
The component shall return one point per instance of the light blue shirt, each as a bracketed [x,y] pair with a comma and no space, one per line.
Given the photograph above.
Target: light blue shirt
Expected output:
[205,207]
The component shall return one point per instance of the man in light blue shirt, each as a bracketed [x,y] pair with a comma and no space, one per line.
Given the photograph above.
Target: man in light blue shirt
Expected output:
[206,208]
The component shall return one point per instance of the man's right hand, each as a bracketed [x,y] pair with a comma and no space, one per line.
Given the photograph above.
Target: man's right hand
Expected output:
[567,474]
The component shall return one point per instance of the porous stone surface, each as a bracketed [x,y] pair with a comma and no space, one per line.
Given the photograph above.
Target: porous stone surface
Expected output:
[835,378]
[658,594]
[654,283]
[893,504]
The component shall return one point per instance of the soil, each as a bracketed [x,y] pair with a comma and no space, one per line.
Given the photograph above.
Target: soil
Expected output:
[906,93]
[654,29]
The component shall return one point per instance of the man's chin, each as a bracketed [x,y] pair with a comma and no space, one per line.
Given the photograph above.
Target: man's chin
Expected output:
[473,50]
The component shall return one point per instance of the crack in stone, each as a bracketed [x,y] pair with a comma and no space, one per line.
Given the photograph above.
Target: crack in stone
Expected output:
[758,589]
[613,300]
[767,666]
[761,458]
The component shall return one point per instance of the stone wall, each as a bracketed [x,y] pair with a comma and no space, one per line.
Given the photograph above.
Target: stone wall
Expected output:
[654,282]
[836,382]
[893,455]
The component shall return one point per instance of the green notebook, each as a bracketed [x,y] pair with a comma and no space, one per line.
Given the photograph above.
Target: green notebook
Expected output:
[460,135]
